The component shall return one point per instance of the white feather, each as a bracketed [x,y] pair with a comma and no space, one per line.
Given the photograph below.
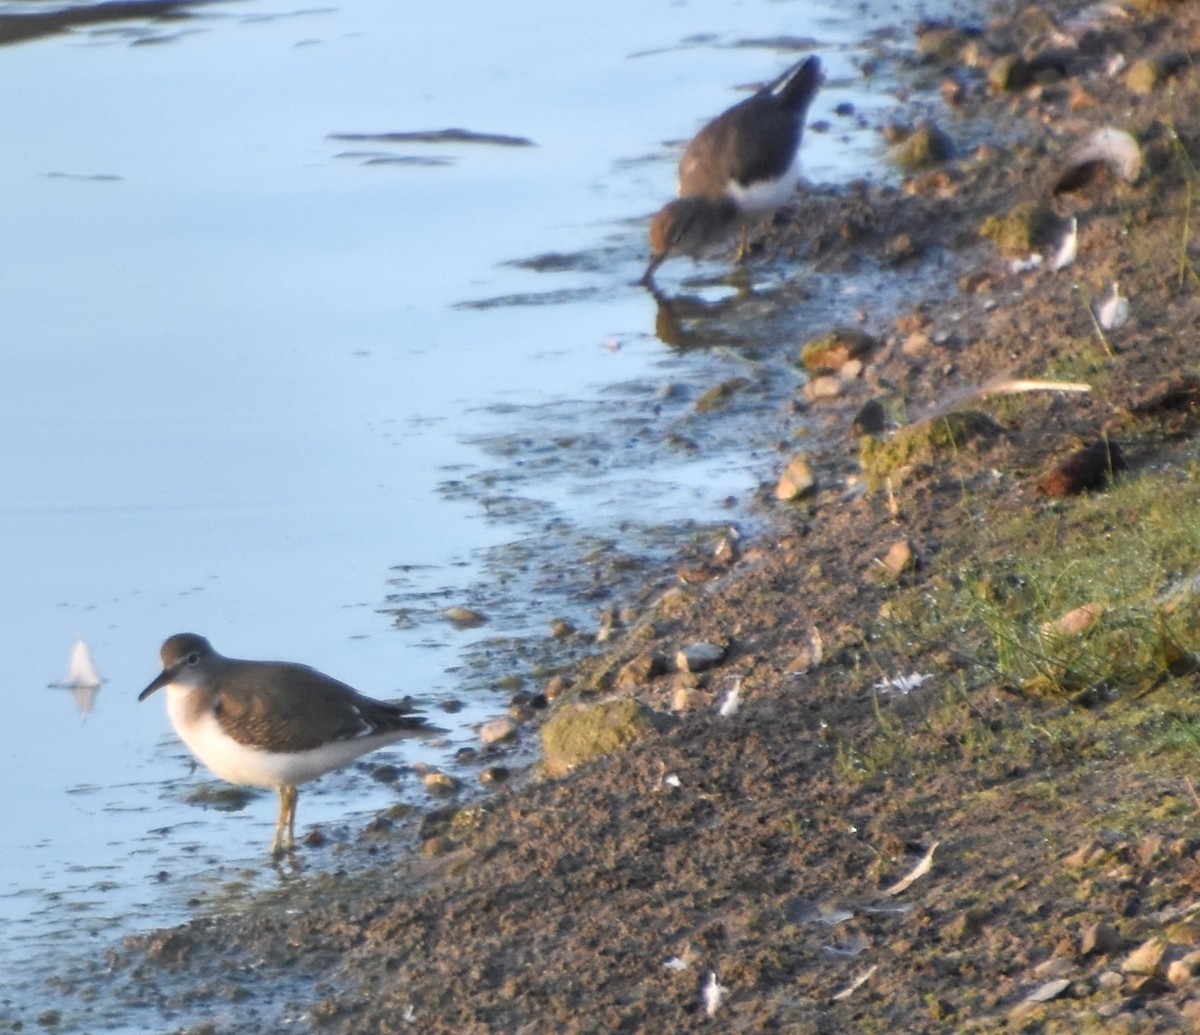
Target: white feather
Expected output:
[1068,248]
[1113,310]
[714,992]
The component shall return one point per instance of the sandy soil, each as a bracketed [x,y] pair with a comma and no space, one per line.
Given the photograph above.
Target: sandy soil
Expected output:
[759,851]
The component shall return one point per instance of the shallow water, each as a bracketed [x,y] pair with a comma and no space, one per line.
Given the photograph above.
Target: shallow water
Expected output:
[300,393]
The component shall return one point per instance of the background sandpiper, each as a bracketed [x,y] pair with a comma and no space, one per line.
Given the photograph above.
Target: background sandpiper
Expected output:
[271,723]
[739,168]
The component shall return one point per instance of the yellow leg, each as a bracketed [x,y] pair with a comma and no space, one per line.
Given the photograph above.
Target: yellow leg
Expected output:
[287,819]
[743,245]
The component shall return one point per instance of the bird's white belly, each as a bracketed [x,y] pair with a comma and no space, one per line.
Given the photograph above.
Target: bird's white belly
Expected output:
[242,764]
[765,196]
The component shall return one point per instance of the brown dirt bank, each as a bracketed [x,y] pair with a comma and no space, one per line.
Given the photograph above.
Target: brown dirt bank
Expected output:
[1050,769]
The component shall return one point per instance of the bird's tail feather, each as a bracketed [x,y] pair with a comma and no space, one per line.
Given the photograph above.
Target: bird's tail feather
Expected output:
[798,85]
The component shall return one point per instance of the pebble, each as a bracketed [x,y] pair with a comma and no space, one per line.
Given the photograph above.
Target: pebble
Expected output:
[494,774]
[796,481]
[1110,981]
[1075,622]
[441,783]
[696,657]
[639,671]
[1179,973]
[824,387]
[899,558]
[1099,939]
[466,617]
[497,731]
[689,699]
[1146,958]
[726,552]
[436,846]
[870,419]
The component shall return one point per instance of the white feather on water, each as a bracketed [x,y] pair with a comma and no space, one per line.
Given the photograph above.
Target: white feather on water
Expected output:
[82,670]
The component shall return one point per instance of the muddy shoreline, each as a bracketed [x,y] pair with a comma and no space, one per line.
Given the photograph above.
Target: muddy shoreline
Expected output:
[755,851]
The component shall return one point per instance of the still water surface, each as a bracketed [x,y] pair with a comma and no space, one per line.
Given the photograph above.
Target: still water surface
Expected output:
[245,364]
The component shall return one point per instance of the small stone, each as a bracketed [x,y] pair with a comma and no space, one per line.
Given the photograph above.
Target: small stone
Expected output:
[1146,958]
[1100,939]
[851,370]
[689,699]
[871,419]
[900,247]
[942,42]
[726,552]
[917,344]
[1179,973]
[1009,73]
[953,93]
[801,663]
[442,784]
[1080,99]
[966,925]
[824,387]
[696,657]
[315,838]
[436,846]
[899,559]
[797,481]
[1082,855]
[639,671]
[1142,77]
[555,686]
[465,617]
[1075,622]
[560,629]
[925,146]
[498,731]
[1109,981]
[1186,933]
[494,774]
[828,354]
[1054,967]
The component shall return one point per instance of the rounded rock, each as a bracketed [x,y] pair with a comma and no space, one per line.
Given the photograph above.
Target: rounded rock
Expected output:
[498,731]
[696,657]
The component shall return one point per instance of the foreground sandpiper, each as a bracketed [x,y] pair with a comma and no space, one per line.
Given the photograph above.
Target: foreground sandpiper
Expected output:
[271,723]
[740,168]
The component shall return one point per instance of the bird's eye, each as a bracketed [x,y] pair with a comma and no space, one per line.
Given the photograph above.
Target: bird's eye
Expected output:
[193,658]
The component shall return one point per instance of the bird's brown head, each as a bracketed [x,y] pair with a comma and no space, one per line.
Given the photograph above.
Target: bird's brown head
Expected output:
[689,226]
[181,656]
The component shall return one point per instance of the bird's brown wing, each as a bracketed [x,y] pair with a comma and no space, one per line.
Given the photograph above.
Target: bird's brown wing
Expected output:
[284,707]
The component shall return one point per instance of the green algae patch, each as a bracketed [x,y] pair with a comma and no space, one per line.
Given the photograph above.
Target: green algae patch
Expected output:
[579,733]
[922,441]
[1026,228]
